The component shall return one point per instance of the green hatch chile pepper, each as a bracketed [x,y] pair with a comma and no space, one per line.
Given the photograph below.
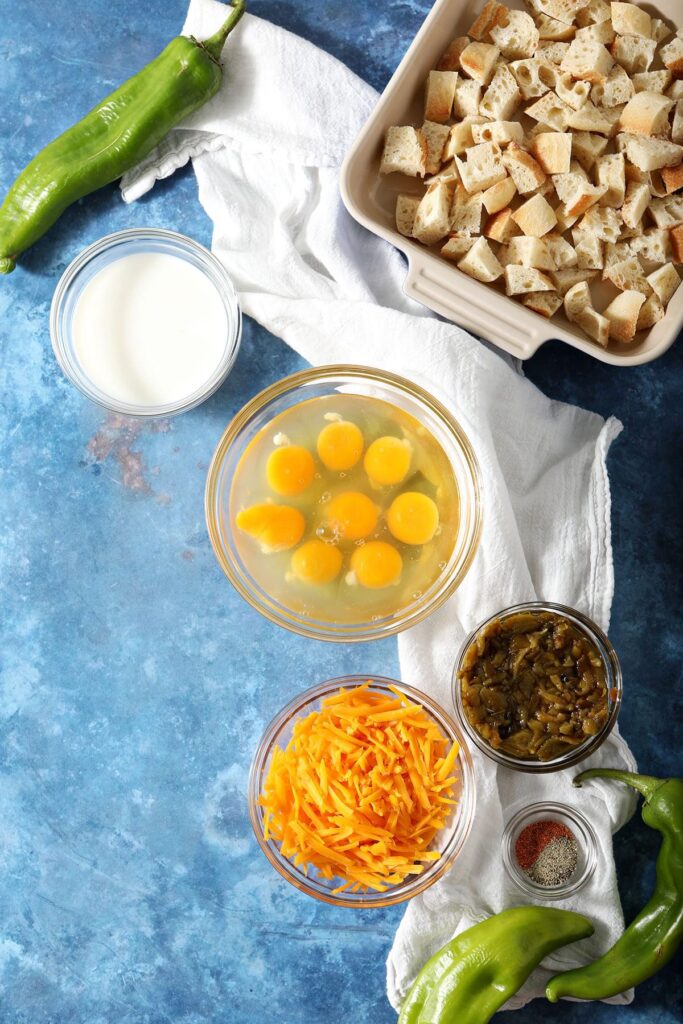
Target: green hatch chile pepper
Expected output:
[474,974]
[112,138]
[651,940]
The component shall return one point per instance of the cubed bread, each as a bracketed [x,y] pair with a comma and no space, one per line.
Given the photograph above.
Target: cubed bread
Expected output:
[616,90]
[436,136]
[636,203]
[622,314]
[439,95]
[594,13]
[498,196]
[677,126]
[651,312]
[675,90]
[594,119]
[459,140]
[544,303]
[672,56]
[628,274]
[502,97]
[667,212]
[533,76]
[653,244]
[664,281]
[646,113]
[525,171]
[566,279]
[562,253]
[500,132]
[673,178]
[483,168]
[466,211]
[580,196]
[594,324]
[432,217]
[652,154]
[491,14]
[634,53]
[563,10]
[552,30]
[500,226]
[550,110]
[590,251]
[457,246]
[660,30]
[525,279]
[576,298]
[553,150]
[526,251]
[603,222]
[599,32]
[467,97]
[588,60]
[587,147]
[517,36]
[481,262]
[406,208]
[652,81]
[405,151]
[536,217]
[552,52]
[447,172]
[610,170]
[450,60]
[616,253]
[478,61]
[572,91]
[631,20]
[676,242]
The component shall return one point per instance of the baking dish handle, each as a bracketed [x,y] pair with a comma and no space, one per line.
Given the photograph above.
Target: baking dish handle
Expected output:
[472,305]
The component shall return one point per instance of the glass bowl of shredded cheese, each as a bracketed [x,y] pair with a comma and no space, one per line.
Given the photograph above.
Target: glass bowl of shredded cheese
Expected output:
[361,792]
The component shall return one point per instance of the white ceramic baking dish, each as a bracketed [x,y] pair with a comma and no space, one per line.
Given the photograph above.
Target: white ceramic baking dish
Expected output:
[436,283]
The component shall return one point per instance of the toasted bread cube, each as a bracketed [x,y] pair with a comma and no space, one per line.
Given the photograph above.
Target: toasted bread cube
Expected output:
[587,147]
[467,97]
[500,195]
[517,37]
[525,279]
[576,194]
[588,60]
[478,61]
[552,52]
[603,222]
[553,150]
[527,173]
[635,203]
[544,303]
[530,252]
[600,32]
[653,245]
[491,14]
[500,132]
[481,263]
[622,314]
[466,211]
[576,298]
[652,154]
[651,312]
[450,61]
[500,226]
[502,97]
[594,324]
[630,20]
[594,119]
[677,127]
[562,253]
[664,281]
[458,246]
[647,113]
[533,76]
[628,274]
[616,90]
[673,178]
[554,31]
[595,13]
[676,240]
[652,81]
[672,56]
[667,212]
[436,136]
[610,170]
[660,30]
[536,217]
[550,110]
[566,279]
[405,151]
[634,53]
[432,217]
[406,208]
[447,172]
[459,140]
[484,167]
[563,10]
[572,91]
[590,251]
[439,95]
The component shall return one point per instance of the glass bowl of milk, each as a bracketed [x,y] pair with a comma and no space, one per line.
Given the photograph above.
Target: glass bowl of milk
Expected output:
[146,323]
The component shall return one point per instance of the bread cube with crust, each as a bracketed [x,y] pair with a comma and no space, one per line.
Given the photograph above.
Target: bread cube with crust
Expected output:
[405,151]
[467,97]
[590,251]
[498,196]
[550,110]
[595,119]
[519,280]
[502,97]
[651,312]
[459,140]
[533,76]
[517,36]
[672,56]
[652,81]
[660,30]
[622,314]
[466,211]
[646,113]
[432,217]
[551,53]
[481,262]
[631,20]
[553,150]
[478,61]
[458,246]
[439,95]
[667,212]
[610,170]
[587,147]
[575,92]
[636,202]
[576,298]
[566,279]
[664,281]
[544,303]
[578,306]
[627,274]
[500,226]
[616,90]
[436,136]
[406,208]
[530,252]
[650,154]
[525,171]
[634,53]
[500,132]
[491,14]
[594,13]
[600,32]
[562,10]
[588,60]
[450,60]
[483,168]
[562,253]
[676,242]
[603,222]
[673,178]
[536,217]
[653,244]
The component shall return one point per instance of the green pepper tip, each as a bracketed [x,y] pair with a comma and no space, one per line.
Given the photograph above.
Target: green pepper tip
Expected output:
[7,265]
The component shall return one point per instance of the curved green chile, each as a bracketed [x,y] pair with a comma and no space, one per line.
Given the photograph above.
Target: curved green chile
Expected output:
[651,940]
[118,133]
[474,974]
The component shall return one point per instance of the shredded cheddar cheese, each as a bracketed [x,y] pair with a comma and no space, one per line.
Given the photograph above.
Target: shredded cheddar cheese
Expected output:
[361,789]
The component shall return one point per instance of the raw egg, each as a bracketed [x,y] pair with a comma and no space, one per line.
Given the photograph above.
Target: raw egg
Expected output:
[274,527]
[290,469]
[351,515]
[413,518]
[376,565]
[387,460]
[316,562]
[340,445]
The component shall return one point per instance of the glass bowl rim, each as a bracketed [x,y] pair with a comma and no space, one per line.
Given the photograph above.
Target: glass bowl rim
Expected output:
[586,836]
[614,683]
[321,375]
[459,830]
[221,281]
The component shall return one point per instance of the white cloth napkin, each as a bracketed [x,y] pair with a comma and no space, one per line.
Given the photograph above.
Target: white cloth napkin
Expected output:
[267,151]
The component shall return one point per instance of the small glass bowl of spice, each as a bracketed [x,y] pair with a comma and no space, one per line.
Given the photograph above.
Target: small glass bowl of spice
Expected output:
[538,687]
[550,850]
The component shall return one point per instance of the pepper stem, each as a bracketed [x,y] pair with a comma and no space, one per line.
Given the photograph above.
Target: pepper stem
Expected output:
[645,784]
[215,43]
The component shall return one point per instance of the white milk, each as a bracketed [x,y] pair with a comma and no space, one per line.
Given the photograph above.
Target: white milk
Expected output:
[149,329]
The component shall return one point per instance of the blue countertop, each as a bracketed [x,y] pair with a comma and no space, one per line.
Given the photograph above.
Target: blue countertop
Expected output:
[136,683]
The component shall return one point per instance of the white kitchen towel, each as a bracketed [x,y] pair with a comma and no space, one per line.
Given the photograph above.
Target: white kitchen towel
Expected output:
[266,152]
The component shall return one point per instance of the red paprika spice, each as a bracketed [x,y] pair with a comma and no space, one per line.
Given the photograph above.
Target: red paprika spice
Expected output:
[535,837]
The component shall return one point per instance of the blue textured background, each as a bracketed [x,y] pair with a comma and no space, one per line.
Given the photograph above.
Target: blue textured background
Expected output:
[136,683]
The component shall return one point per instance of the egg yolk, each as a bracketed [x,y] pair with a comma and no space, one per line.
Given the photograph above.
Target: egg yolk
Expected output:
[316,562]
[274,527]
[376,565]
[387,460]
[413,518]
[352,515]
[290,469]
[340,445]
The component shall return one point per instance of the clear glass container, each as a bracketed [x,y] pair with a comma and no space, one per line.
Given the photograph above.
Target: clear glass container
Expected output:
[613,680]
[99,255]
[450,840]
[586,841]
[325,381]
